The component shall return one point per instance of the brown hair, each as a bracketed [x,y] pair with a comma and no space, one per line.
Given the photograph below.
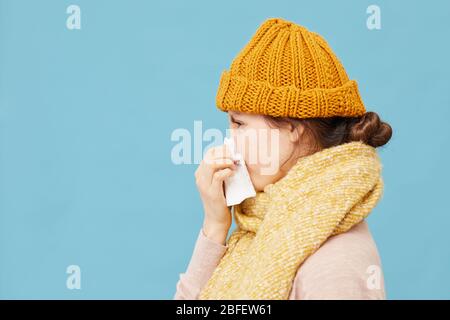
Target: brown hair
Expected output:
[332,131]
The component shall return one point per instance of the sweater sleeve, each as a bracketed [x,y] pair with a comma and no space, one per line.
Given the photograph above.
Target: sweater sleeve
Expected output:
[205,258]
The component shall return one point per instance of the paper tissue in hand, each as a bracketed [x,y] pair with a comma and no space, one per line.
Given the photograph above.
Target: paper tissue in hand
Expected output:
[239,186]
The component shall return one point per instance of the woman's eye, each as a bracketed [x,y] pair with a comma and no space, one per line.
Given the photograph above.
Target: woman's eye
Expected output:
[237,123]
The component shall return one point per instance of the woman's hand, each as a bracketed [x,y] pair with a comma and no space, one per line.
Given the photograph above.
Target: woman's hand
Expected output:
[216,166]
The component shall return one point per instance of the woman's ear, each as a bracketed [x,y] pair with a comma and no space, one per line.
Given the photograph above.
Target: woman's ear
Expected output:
[296,133]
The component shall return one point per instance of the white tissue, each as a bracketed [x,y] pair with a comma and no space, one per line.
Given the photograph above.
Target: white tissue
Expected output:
[239,186]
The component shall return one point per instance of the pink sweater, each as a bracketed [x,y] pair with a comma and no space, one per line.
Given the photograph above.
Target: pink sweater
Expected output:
[346,266]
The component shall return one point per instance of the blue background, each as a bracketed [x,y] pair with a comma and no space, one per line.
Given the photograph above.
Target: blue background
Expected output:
[86,118]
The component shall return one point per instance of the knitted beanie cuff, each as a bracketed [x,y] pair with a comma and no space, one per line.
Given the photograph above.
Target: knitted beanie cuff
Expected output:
[240,94]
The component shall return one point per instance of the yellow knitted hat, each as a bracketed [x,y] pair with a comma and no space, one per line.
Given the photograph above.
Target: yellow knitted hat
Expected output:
[287,70]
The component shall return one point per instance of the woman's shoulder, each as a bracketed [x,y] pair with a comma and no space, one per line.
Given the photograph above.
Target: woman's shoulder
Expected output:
[346,266]
[357,244]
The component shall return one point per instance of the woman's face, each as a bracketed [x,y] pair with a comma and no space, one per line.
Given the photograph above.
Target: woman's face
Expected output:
[268,152]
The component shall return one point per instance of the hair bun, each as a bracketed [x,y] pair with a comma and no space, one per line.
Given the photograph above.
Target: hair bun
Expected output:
[371,130]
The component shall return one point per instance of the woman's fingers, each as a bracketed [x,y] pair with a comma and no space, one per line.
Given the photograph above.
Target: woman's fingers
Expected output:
[221,164]
[219,176]
[220,152]
[216,159]
[216,165]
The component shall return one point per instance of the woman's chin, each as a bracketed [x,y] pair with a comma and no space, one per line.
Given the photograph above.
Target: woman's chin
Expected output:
[259,186]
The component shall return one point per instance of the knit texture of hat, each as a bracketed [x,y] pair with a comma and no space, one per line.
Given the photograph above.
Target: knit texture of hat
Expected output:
[287,70]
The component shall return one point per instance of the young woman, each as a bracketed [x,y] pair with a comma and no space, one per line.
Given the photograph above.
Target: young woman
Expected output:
[304,234]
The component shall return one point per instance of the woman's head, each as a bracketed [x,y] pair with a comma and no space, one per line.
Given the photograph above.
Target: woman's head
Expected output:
[272,145]
[290,96]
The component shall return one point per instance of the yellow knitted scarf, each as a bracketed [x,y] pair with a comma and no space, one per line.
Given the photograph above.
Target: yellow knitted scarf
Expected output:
[322,195]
